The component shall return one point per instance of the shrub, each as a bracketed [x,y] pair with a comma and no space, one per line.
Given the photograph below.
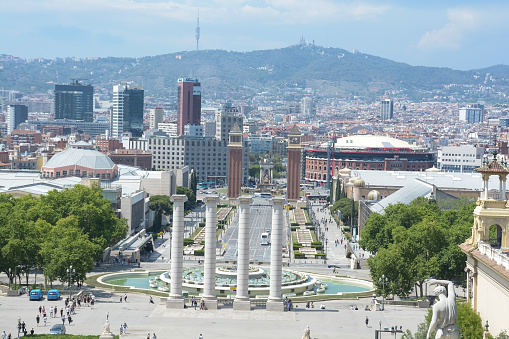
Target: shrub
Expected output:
[308,223]
[293,228]
[201,224]
[346,229]
[320,256]
[199,253]
[304,208]
[294,224]
[299,255]
[296,246]
[312,228]
[188,241]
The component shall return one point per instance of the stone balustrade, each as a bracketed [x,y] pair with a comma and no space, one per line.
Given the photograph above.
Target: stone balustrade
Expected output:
[496,254]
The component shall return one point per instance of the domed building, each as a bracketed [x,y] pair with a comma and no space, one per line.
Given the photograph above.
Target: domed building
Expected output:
[366,152]
[84,163]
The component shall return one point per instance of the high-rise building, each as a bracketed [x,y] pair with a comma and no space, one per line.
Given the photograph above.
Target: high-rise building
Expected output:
[127,114]
[387,109]
[74,102]
[226,118]
[16,114]
[471,115]
[188,103]
[156,117]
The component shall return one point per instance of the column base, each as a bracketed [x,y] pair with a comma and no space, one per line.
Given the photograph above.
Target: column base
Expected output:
[107,336]
[275,306]
[242,305]
[210,304]
[175,303]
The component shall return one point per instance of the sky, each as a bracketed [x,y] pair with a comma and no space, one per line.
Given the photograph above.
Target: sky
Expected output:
[466,34]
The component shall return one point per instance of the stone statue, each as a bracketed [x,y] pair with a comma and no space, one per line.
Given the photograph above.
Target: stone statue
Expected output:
[444,312]
[307,333]
[107,327]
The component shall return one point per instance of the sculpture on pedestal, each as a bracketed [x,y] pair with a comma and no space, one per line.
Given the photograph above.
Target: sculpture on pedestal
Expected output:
[444,312]
[307,333]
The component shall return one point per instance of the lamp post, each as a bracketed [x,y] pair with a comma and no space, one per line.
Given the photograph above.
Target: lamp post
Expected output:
[70,272]
[9,278]
[383,280]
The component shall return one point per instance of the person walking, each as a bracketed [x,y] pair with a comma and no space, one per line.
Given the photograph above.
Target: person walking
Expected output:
[125,328]
[200,337]
[37,319]
[51,312]
[367,321]
[154,336]
[148,335]
[121,329]
[45,320]
[63,320]
[4,335]
[125,297]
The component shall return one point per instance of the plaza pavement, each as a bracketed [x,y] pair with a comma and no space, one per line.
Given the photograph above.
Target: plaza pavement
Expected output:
[336,321]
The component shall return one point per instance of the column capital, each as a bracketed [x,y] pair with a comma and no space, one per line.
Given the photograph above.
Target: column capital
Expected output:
[245,200]
[278,201]
[178,198]
[211,199]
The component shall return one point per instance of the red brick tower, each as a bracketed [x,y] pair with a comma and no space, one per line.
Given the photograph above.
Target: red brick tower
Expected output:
[293,170]
[234,162]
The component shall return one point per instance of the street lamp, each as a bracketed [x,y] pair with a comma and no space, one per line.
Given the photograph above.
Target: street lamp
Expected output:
[10,278]
[383,280]
[70,272]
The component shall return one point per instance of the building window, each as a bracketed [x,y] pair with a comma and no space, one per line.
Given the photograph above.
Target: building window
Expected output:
[64,173]
[58,174]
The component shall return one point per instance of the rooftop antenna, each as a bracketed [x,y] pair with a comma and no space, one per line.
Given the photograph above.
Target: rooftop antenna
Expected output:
[197,29]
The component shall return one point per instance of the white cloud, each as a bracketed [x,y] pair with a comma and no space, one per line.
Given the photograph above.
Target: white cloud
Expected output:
[450,37]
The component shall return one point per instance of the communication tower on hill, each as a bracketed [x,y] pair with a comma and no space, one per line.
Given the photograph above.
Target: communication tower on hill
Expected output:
[197,29]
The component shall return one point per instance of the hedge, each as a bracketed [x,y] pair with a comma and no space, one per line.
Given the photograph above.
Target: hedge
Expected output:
[201,224]
[308,223]
[294,224]
[321,255]
[188,241]
[312,228]
[299,255]
[199,253]
[293,228]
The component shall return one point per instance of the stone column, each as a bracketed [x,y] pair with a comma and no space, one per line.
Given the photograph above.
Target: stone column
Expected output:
[241,301]
[209,271]
[177,243]
[275,303]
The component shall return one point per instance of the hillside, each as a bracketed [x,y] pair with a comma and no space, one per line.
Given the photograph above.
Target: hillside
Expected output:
[330,71]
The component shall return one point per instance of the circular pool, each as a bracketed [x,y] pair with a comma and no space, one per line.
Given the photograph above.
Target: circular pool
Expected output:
[293,283]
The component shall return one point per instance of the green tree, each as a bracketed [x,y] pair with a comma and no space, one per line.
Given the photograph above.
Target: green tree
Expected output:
[194,182]
[67,245]
[345,206]
[254,171]
[93,212]
[338,190]
[159,204]
[415,241]
[191,197]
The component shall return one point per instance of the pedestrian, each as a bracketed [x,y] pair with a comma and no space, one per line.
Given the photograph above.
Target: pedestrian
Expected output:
[154,336]
[148,335]
[120,299]
[125,328]
[62,312]
[200,337]
[125,297]
[151,301]
[9,336]
[37,319]
[121,329]
[69,319]
[40,309]
[51,312]
[4,335]
[45,320]
[56,311]
[367,321]
[202,304]
[32,331]
[63,320]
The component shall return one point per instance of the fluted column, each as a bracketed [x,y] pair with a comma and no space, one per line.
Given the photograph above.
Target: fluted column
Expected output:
[209,271]
[241,301]
[177,243]
[275,303]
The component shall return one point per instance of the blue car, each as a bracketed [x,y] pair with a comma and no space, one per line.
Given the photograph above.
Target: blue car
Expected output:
[36,294]
[53,295]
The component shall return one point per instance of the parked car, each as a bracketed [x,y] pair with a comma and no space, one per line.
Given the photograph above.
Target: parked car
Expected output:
[36,295]
[57,329]
[53,294]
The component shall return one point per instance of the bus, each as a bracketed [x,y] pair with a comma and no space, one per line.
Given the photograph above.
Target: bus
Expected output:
[206,185]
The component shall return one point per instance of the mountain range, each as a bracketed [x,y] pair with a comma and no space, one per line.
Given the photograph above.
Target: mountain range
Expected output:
[325,71]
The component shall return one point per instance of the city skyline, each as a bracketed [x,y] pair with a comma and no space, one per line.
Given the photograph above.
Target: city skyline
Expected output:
[455,34]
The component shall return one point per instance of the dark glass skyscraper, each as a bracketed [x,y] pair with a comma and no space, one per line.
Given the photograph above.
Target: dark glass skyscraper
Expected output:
[128,102]
[74,102]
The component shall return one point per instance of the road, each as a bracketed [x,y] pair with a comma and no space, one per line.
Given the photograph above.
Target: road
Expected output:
[261,219]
